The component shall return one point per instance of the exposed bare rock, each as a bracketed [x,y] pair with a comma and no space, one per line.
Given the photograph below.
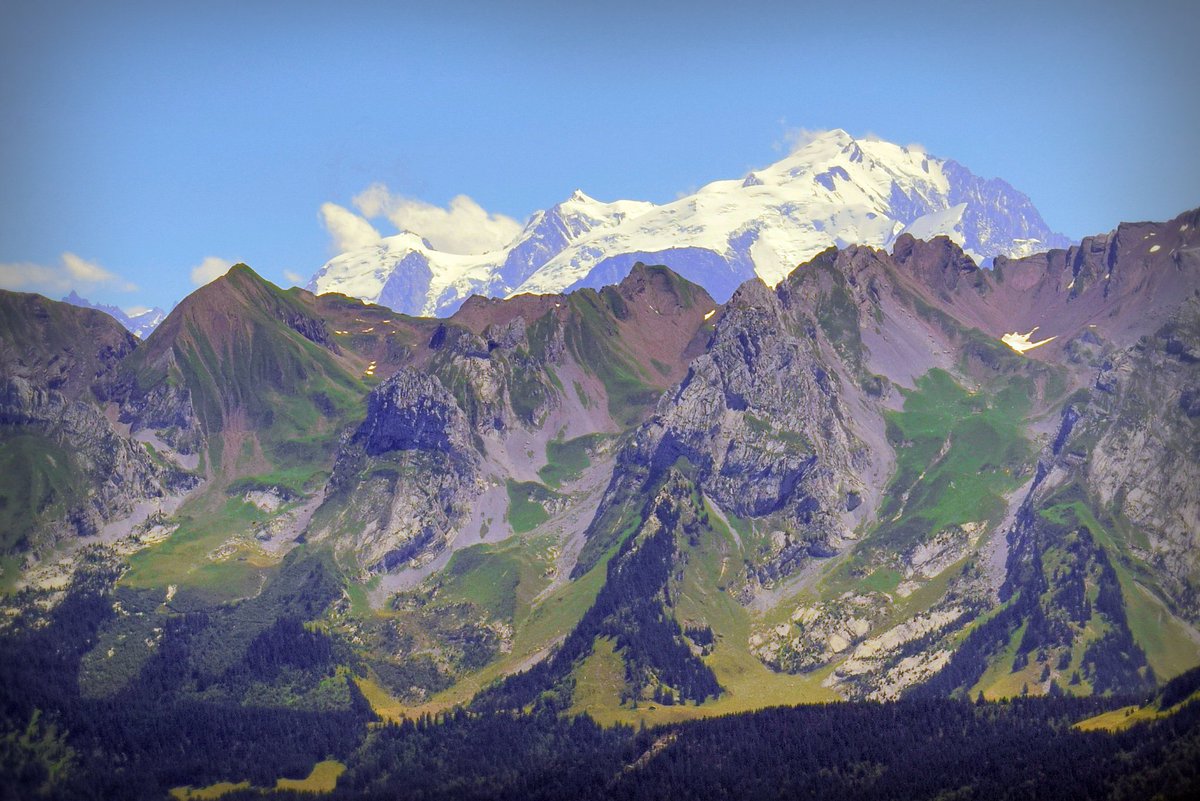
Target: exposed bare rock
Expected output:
[760,422]
[106,474]
[405,478]
[1135,444]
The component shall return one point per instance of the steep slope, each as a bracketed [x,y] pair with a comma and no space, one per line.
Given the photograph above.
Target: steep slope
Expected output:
[636,503]
[834,191]
[240,356]
[66,468]
[406,476]
[738,421]
[1140,430]
[871,444]
[1117,287]
[244,384]
[499,387]
[635,613]
[60,347]
[1113,485]
[788,425]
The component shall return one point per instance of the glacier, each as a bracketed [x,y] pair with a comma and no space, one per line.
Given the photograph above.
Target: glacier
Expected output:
[836,190]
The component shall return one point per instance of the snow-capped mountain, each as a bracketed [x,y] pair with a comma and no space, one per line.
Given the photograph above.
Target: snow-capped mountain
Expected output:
[140,324]
[835,190]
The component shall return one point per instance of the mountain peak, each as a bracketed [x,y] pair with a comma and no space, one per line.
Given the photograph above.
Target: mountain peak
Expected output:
[140,323]
[834,190]
[838,136]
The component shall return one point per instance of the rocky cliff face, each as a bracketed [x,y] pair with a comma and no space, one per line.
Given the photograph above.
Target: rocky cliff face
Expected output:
[498,380]
[855,483]
[166,409]
[1120,286]
[56,346]
[99,474]
[69,470]
[1132,441]
[403,480]
[759,422]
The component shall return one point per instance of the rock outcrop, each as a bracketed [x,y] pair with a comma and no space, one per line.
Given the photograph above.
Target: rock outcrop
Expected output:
[88,473]
[760,425]
[1133,441]
[404,479]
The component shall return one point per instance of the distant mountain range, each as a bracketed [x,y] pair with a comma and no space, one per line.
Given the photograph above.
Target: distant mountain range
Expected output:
[848,473]
[140,324]
[892,473]
[834,191]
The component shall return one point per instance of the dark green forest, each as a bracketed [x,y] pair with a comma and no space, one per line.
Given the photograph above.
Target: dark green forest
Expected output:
[185,719]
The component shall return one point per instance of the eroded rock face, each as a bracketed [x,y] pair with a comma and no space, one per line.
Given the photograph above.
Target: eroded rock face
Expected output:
[113,472]
[498,383]
[759,422]
[412,411]
[1135,444]
[403,480]
[167,410]
[939,264]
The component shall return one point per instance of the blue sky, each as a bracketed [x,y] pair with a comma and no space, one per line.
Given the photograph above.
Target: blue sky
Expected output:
[142,139]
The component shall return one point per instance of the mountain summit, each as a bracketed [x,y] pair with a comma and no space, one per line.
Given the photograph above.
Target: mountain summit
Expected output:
[835,190]
[140,324]
[891,475]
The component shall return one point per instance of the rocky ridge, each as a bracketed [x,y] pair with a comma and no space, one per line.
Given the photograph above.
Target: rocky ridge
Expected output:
[854,483]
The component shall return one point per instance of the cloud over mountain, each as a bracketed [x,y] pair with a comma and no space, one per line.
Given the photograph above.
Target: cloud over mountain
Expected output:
[71,271]
[462,226]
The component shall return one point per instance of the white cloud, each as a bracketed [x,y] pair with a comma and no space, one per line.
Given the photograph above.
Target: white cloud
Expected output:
[212,268]
[349,231]
[374,200]
[795,138]
[27,275]
[88,272]
[72,272]
[296,278]
[134,311]
[463,226]
[916,147]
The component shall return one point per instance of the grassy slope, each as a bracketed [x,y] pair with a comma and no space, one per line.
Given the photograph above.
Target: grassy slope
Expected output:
[958,453]
[526,510]
[1170,647]
[537,626]
[590,336]
[749,684]
[567,459]
[322,779]
[701,598]
[244,365]
[599,682]
[209,553]
[502,579]
[985,448]
[39,481]
[1128,716]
